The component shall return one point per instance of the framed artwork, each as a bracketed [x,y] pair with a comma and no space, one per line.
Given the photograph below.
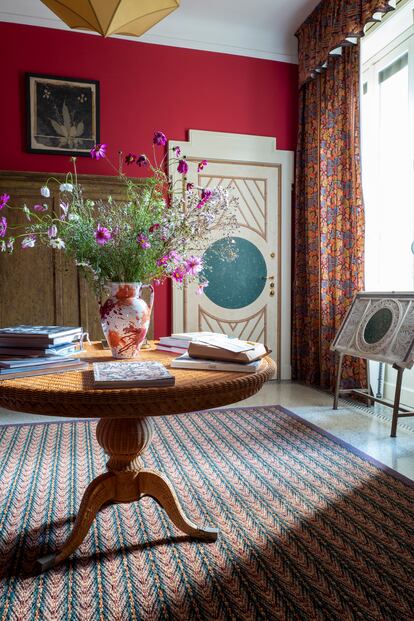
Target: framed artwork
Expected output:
[379,326]
[62,114]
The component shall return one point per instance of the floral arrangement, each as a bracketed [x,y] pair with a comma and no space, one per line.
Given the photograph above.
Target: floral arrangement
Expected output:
[158,232]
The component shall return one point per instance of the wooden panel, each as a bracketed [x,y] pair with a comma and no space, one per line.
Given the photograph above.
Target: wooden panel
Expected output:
[39,285]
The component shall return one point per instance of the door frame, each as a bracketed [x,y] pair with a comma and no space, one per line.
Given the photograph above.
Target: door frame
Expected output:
[260,151]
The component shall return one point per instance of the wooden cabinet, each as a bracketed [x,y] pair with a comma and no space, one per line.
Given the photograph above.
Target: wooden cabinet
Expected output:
[40,285]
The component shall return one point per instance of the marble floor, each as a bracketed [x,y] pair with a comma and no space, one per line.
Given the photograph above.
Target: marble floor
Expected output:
[368,429]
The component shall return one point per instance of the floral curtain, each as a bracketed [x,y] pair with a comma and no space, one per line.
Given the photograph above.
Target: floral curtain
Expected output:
[332,24]
[329,214]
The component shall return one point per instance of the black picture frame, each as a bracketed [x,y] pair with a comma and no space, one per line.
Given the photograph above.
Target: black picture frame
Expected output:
[62,115]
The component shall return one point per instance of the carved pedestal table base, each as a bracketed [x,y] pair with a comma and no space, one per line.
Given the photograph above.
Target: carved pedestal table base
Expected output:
[125,440]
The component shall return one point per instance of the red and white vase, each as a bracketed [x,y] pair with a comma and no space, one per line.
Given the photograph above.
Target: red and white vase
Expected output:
[125,317]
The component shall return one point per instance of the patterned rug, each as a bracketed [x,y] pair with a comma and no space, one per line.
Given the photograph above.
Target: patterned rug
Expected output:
[308,528]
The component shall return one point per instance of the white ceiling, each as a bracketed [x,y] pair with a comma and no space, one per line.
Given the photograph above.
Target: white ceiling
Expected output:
[258,28]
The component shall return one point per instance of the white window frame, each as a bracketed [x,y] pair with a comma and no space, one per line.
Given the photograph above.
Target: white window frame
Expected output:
[374,62]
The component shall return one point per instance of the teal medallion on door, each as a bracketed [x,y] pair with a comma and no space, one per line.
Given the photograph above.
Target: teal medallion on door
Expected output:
[234,283]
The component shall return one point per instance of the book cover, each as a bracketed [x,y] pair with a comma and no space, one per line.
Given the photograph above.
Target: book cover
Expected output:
[38,336]
[189,336]
[131,374]
[55,351]
[225,342]
[50,332]
[186,362]
[38,361]
[170,348]
[48,370]
[206,351]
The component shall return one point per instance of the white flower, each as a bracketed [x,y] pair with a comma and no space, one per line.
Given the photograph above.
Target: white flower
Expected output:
[26,211]
[74,217]
[44,191]
[58,243]
[10,244]
[52,231]
[28,242]
[66,187]
[3,247]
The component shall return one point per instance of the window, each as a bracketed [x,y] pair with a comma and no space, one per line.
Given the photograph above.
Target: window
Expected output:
[388,166]
[387,130]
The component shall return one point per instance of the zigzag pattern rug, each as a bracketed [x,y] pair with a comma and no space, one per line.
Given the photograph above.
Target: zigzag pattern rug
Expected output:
[308,529]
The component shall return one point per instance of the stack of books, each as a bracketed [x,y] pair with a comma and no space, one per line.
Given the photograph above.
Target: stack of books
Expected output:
[37,350]
[178,343]
[221,353]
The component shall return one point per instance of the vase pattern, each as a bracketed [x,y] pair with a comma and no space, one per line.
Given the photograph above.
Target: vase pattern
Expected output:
[125,318]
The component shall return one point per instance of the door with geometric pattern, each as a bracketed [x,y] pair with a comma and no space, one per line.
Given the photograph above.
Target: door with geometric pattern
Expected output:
[245,296]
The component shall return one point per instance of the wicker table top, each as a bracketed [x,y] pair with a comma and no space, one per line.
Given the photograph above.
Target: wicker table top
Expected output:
[73,394]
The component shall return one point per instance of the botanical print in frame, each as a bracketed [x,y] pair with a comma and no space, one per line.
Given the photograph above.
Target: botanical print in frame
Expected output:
[62,114]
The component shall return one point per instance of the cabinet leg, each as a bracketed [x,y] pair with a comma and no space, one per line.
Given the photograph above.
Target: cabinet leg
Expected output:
[338,381]
[397,398]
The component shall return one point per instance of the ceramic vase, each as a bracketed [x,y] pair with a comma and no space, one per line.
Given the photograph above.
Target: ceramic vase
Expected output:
[125,317]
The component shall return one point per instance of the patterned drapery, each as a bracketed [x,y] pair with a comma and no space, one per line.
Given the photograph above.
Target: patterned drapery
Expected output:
[330,26]
[329,220]
[329,214]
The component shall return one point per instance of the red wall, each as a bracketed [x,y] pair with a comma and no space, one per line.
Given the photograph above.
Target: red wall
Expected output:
[144,88]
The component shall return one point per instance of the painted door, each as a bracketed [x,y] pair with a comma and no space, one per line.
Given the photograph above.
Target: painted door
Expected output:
[248,296]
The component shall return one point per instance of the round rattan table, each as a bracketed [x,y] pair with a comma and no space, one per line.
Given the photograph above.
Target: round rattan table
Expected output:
[125,429]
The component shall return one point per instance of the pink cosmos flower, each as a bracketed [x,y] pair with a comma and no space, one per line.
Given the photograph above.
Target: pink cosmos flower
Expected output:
[3,226]
[142,160]
[4,199]
[201,287]
[174,257]
[182,167]
[193,265]
[206,194]
[143,241]
[202,165]
[102,235]
[98,151]
[52,231]
[162,261]
[130,158]
[160,139]
[40,207]
[178,275]
[177,151]
[29,242]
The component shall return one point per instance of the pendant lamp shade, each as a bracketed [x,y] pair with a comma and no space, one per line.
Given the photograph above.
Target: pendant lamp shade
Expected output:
[127,17]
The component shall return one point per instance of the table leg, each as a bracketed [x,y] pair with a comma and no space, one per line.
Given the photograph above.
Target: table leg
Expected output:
[125,440]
